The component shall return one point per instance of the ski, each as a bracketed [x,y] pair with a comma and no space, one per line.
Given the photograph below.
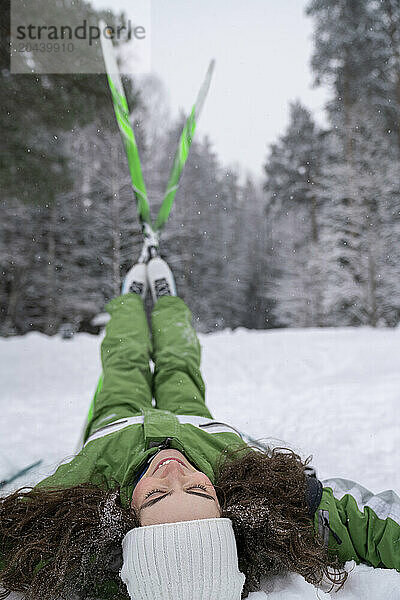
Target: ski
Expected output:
[5,482]
[150,232]
[182,152]
[121,110]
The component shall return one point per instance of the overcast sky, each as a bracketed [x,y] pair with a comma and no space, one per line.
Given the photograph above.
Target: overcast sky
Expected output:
[262,50]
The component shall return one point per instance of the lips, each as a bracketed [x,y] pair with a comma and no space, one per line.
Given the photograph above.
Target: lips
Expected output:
[166,460]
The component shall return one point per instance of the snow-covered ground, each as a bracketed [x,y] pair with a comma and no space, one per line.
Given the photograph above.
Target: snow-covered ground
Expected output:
[332,393]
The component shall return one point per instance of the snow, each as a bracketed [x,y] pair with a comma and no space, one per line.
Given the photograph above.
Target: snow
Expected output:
[332,393]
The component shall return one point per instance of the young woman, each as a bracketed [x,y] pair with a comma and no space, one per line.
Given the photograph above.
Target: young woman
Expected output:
[163,501]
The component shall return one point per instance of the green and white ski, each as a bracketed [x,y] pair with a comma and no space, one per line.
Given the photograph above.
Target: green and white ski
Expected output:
[128,137]
[151,232]
[182,152]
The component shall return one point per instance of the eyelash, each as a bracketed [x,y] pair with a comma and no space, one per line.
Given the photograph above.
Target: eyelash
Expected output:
[203,487]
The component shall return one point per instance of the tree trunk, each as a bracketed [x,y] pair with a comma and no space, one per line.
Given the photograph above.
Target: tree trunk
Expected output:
[373,317]
[348,118]
[316,291]
[372,238]
[9,324]
[398,106]
[314,224]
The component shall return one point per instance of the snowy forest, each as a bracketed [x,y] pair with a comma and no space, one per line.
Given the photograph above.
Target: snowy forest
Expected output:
[312,242]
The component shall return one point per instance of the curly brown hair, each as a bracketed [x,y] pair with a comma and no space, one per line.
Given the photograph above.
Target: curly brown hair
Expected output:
[63,543]
[264,495]
[58,544]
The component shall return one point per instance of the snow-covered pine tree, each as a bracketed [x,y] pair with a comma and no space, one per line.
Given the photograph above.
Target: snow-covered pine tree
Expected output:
[17,254]
[38,112]
[357,231]
[102,232]
[386,31]
[346,56]
[293,205]
[357,52]
[255,264]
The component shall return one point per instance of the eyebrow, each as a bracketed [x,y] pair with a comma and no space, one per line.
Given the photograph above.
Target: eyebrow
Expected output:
[154,500]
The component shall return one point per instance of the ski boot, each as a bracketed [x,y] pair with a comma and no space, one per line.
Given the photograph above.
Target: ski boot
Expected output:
[160,279]
[135,281]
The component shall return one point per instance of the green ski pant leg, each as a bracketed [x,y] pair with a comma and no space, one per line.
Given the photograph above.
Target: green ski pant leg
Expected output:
[177,381]
[126,388]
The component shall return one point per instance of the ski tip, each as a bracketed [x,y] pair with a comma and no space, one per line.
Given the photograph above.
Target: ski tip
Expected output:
[212,65]
[103,27]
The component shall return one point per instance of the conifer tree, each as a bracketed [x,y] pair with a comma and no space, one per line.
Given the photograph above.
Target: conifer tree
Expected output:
[293,206]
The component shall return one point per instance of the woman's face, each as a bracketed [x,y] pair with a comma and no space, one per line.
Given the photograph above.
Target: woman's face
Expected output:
[174,491]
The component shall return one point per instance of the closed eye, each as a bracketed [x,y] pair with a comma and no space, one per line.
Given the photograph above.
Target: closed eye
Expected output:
[203,487]
[188,491]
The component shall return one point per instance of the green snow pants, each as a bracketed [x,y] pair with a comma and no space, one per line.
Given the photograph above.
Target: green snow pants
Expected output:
[127,384]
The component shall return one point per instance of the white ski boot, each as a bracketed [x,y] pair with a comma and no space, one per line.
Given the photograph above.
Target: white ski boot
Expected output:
[160,279]
[135,281]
